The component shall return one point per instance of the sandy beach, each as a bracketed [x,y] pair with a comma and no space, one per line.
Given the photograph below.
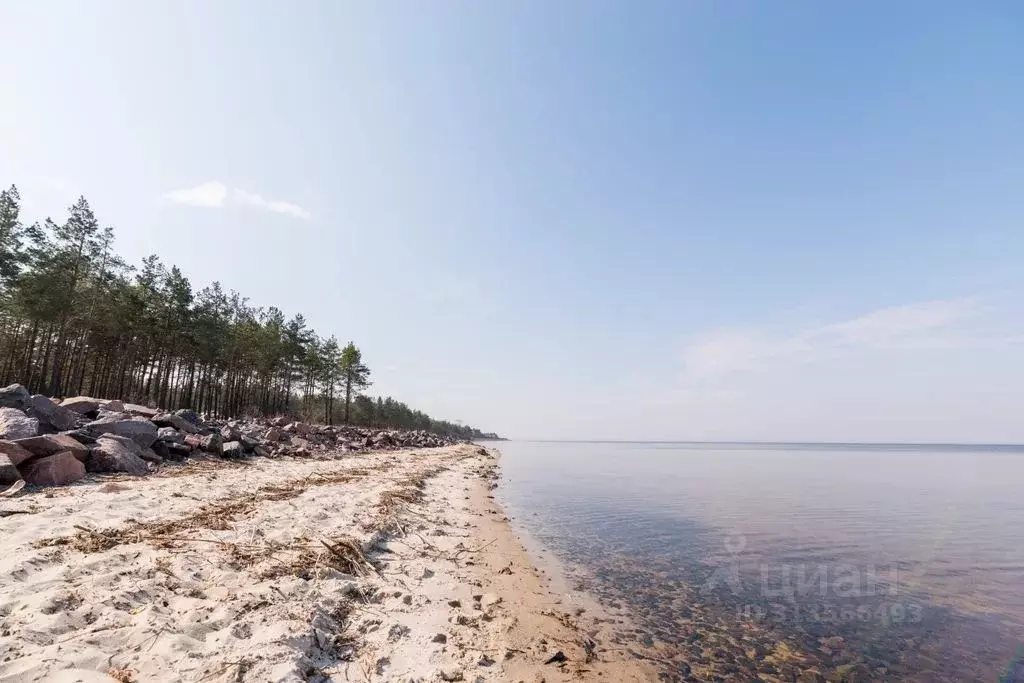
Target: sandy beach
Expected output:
[393,566]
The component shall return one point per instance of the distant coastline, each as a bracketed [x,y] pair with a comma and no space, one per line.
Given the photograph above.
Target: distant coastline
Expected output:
[804,445]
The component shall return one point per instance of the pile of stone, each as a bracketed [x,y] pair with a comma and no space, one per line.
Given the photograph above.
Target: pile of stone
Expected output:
[46,442]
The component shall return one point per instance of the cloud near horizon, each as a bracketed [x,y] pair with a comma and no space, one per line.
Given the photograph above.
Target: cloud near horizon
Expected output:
[217,195]
[929,325]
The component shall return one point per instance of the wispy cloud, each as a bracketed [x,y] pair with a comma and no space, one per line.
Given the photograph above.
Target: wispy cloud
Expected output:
[940,324]
[217,195]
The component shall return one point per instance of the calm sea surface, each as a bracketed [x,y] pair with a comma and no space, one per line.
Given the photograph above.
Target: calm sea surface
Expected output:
[791,562]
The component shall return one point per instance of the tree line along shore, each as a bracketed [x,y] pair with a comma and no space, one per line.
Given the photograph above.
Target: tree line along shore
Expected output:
[77,319]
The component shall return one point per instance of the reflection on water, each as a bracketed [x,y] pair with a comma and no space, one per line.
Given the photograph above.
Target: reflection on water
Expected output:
[791,562]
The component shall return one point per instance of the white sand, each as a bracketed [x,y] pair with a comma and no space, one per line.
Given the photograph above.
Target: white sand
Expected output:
[246,590]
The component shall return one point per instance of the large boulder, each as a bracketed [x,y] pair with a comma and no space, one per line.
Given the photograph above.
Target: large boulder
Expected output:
[113,454]
[141,411]
[81,404]
[190,415]
[212,443]
[8,471]
[176,421]
[230,432]
[48,444]
[250,441]
[15,424]
[138,429]
[232,449]
[273,435]
[16,452]
[58,417]
[114,406]
[14,396]
[58,469]
[169,435]
[177,451]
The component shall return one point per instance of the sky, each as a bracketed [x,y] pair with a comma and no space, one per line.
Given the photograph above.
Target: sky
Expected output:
[583,219]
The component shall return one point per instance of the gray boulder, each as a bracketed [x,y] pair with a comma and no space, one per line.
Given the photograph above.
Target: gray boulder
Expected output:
[176,421]
[232,449]
[250,441]
[14,396]
[230,432]
[138,429]
[141,411]
[58,417]
[115,455]
[81,404]
[212,444]
[114,406]
[177,451]
[170,435]
[15,424]
[190,415]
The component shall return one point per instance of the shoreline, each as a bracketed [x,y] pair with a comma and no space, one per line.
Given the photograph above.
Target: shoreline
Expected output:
[375,566]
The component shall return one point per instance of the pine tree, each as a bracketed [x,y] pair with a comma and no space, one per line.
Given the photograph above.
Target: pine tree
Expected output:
[354,374]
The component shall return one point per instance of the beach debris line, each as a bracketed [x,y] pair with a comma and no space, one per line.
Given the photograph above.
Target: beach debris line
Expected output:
[50,442]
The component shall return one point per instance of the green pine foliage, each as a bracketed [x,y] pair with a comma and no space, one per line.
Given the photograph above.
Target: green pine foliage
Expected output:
[75,319]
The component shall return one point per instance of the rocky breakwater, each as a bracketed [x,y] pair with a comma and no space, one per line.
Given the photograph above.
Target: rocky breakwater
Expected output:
[46,442]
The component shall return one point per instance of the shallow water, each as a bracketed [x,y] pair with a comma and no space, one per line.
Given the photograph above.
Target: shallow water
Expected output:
[791,561]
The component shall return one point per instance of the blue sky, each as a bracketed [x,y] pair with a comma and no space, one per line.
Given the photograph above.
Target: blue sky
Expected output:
[692,220]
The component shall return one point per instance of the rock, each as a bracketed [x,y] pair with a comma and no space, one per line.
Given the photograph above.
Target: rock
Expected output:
[81,404]
[193,441]
[177,451]
[232,449]
[212,444]
[440,638]
[8,470]
[141,411]
[230,432]
[190,415]
[47,411]
[278,421]
[488,599]
[249,442]
[58,469]
[48,444]
[160,450]
[14,396]
[15,424]
[82,436]
[149,455]
[557,658]
[176,421]
[170,435]
[115,455]
[16,452]
[114,406]
[263,452]
[139,429]
[273,435]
